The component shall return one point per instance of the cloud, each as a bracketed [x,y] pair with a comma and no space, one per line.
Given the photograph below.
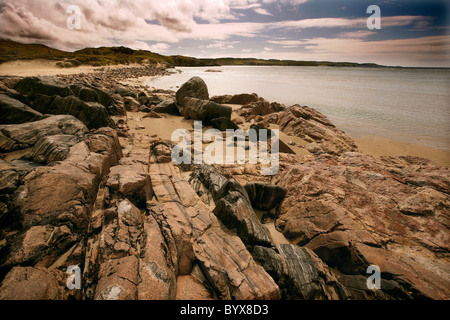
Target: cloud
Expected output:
[394,21]
[220,45]
[159,47]
[429,51]
[111,22]
[287,43]
[138,23]
[263,12]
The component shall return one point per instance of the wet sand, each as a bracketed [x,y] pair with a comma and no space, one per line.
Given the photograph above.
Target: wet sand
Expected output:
[379,146]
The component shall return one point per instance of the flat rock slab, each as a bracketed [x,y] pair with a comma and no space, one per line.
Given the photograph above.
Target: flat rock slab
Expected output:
[197,235]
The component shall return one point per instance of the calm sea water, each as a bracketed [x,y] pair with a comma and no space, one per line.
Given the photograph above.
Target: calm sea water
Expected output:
[411,105]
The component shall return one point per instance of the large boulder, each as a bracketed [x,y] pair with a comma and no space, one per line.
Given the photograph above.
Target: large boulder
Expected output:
[46,85]
[204,110]
[13,111]
[25,135]
[91,94]
[93,114]
[194,88]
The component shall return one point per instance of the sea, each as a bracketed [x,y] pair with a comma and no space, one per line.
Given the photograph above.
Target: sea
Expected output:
[409,105]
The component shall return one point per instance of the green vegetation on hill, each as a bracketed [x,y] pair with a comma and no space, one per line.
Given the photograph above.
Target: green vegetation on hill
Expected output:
[10,51]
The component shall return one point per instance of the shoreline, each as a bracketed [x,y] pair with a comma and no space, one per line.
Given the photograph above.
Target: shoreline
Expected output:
[379,146]
[369,144]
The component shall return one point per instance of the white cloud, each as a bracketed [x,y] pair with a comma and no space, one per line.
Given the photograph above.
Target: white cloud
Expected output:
[263,12]
[159,47]
[429,51]
[287,43]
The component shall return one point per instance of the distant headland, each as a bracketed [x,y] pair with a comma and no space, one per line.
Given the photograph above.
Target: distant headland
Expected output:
[103,56]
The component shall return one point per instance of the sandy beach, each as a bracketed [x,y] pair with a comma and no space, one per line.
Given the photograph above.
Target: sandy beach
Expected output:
[31,68]
[372,145]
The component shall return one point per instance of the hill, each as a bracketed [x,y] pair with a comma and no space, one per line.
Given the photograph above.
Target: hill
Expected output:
[10,51]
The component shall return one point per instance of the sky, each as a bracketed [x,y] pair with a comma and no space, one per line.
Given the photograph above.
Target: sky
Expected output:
[413,33]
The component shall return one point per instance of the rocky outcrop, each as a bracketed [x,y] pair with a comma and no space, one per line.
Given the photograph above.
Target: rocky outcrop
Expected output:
[139,230]
[196,236]
[314,128]
[93,114]
[11,178]
[25,135]
[234,209]
[48,86]
[89,93]
[232,204]
[194,88]
[48,217]
[154,253]
[355,210]
[51,96]
[14,112]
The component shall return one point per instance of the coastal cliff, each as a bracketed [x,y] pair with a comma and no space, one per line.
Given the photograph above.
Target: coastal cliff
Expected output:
[85,182]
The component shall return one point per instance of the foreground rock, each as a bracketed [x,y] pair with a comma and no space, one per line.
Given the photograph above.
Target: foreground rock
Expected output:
[177,241]
[48,218]
[139,230]
[355,210]
[197,235]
